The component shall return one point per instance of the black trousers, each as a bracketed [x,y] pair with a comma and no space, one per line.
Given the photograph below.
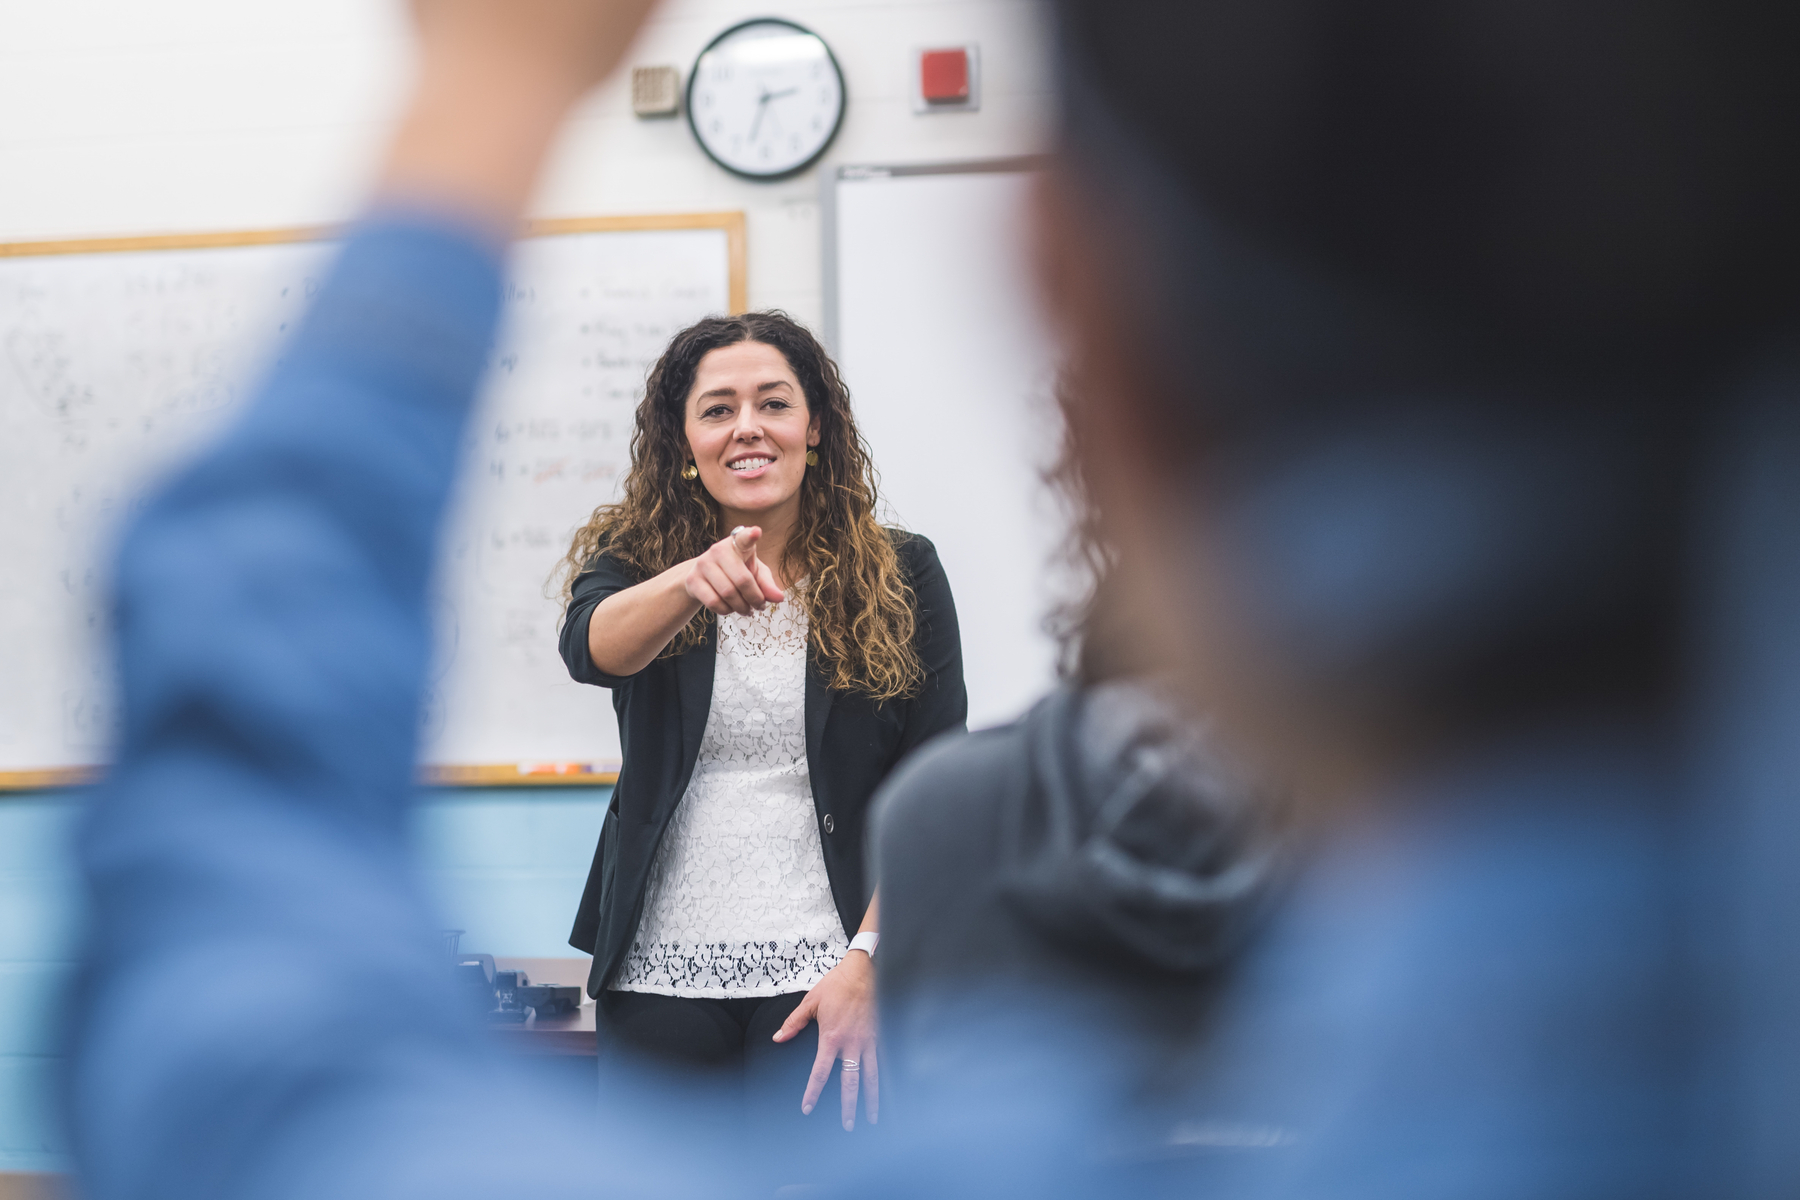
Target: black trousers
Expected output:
[728,1048]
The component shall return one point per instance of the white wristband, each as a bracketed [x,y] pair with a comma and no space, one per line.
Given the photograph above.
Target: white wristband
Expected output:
[866,942]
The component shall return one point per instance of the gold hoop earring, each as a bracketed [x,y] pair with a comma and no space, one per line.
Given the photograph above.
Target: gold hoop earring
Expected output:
[812,458]
[690,472]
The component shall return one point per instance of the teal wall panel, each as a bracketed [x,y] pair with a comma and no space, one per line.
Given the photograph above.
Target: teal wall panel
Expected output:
[27,996]
[40,920]
[506,865]
[30,1139]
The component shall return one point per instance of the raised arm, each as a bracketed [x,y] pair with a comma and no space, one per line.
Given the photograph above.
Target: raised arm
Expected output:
[262,1010]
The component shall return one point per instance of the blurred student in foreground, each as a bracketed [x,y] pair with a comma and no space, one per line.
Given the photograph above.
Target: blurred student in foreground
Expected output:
[1441,413]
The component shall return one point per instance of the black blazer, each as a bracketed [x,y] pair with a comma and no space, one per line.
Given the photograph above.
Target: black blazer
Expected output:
[851,745]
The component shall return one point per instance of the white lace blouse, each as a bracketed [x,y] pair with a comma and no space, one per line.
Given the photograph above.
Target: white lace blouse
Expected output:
[738,902]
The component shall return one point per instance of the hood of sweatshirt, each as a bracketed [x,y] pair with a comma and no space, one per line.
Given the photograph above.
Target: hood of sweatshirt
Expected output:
[1134,842]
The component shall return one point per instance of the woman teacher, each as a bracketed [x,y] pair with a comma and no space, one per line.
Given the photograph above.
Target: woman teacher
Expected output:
[773,653]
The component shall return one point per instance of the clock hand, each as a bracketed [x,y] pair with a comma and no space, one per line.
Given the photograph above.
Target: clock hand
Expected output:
[762,106]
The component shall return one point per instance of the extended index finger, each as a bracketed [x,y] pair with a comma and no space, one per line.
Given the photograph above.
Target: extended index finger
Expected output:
[765,579]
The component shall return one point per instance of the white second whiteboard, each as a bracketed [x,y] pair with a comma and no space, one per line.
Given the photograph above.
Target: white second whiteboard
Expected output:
[116,365]
[938,335]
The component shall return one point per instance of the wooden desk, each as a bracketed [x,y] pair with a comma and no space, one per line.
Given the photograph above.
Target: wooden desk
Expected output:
[565,1034]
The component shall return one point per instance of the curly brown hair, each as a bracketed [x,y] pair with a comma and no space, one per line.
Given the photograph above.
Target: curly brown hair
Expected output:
[859,605]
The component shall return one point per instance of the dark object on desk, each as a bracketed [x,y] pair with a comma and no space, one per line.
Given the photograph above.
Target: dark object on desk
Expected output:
[509,997]
[515,994]
[476,980]
[549,998]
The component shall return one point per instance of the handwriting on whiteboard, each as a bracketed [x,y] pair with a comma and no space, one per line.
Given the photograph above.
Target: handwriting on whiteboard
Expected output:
[115,367]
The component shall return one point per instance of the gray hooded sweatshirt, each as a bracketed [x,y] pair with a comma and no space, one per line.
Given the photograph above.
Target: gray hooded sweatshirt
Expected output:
[1090,866]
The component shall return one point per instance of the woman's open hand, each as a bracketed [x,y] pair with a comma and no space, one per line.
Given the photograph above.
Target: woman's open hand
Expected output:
[730,578]
[844,1005]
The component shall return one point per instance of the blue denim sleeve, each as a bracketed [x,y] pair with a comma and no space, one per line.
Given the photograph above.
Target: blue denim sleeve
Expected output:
[263,1009]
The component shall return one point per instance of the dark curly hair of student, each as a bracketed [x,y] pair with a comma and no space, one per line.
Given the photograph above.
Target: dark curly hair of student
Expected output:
[859,605]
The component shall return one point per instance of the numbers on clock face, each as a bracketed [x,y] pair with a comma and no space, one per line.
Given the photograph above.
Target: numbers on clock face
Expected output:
[765,98]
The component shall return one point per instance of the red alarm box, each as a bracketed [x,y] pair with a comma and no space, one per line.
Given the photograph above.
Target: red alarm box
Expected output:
[948,79]
[944,76]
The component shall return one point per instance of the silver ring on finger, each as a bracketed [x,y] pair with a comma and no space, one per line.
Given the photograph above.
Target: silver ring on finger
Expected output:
[850,1064]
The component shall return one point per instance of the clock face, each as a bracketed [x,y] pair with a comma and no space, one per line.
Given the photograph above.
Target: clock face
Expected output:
[765,98]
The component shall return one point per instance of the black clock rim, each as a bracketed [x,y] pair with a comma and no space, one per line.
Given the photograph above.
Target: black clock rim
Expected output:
[789,173]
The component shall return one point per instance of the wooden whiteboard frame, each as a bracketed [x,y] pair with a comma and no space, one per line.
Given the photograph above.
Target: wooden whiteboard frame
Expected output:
[553,774]
[732,223]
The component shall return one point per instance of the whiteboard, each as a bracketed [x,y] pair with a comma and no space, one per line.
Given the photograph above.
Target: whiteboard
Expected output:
[118,363]
[931,315]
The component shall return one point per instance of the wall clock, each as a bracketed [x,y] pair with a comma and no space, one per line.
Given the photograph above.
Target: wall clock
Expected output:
[765,98]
